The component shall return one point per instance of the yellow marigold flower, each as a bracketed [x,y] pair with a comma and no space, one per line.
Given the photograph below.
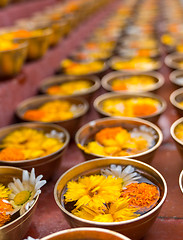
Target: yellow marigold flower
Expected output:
[114,212]
[94,190]
[179,132]
[4,191]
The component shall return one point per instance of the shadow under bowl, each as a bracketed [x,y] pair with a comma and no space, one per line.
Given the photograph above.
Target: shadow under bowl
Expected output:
[99,101]
[71,125]
[17,228]
[86,233]
[62,79]
[108,79]
[87,132]
[46,165]
[135,228]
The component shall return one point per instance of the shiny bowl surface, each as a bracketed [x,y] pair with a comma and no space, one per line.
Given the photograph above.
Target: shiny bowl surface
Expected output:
[16,229]
[181,181]
[12,60]
[86,132]
[135,228]
[46,165]
[172,60]
[176,77]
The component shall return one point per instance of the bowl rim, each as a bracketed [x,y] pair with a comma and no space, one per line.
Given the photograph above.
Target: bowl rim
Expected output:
[103,97]
[26,124]
[123,119]
[52,98]
[173,76]
[114,58]
[59,79]
[112,233]
[180,181]
[169,60]
[160,80]
[172,130]
[173,96]
[17,219]
[111,223]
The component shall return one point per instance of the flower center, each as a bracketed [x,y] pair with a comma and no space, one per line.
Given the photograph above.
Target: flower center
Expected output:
[22,197]
[93,191]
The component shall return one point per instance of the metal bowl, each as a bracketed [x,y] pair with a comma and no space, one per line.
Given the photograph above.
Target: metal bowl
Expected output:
[176,77]
[178,142]
[115,59]
[175,98]
[12,60]
[85,232]
[135,228]
[110,77]
[112,95]
[37,45]
[35,102]
[4,3]
[86,133]
[181,181]
[172,61]
[16,229]
[46,165]
[58,80]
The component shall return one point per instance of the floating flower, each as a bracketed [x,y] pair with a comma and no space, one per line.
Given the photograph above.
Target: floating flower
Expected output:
[132,107]
[127,174]
[27,143]
[117,141]
[24,193]
[142,195]
[57,110]
[4,191]
[68,88]
[112,212]
[94,190]
[179,131]
[5,209]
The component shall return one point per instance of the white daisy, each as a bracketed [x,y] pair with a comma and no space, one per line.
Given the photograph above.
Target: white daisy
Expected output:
[24,193]
[128,173]
[30,238]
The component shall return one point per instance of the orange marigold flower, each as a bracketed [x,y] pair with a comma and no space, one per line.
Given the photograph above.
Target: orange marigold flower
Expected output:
[34,115]
[141,195]
[144,109]
[4,208]
[107,133]
[11,154]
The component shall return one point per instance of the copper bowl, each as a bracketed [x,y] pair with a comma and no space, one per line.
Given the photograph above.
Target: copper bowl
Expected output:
[175,98]
[86,232]
[135,228]
[172,60]
[181,181]
[46,165]
[176,77]
[37,45]
[58,80]
[35,102]
[110,77]
[115,59]
[178,142]
[86,133]
[16,229]
[12,60]
[98,103]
